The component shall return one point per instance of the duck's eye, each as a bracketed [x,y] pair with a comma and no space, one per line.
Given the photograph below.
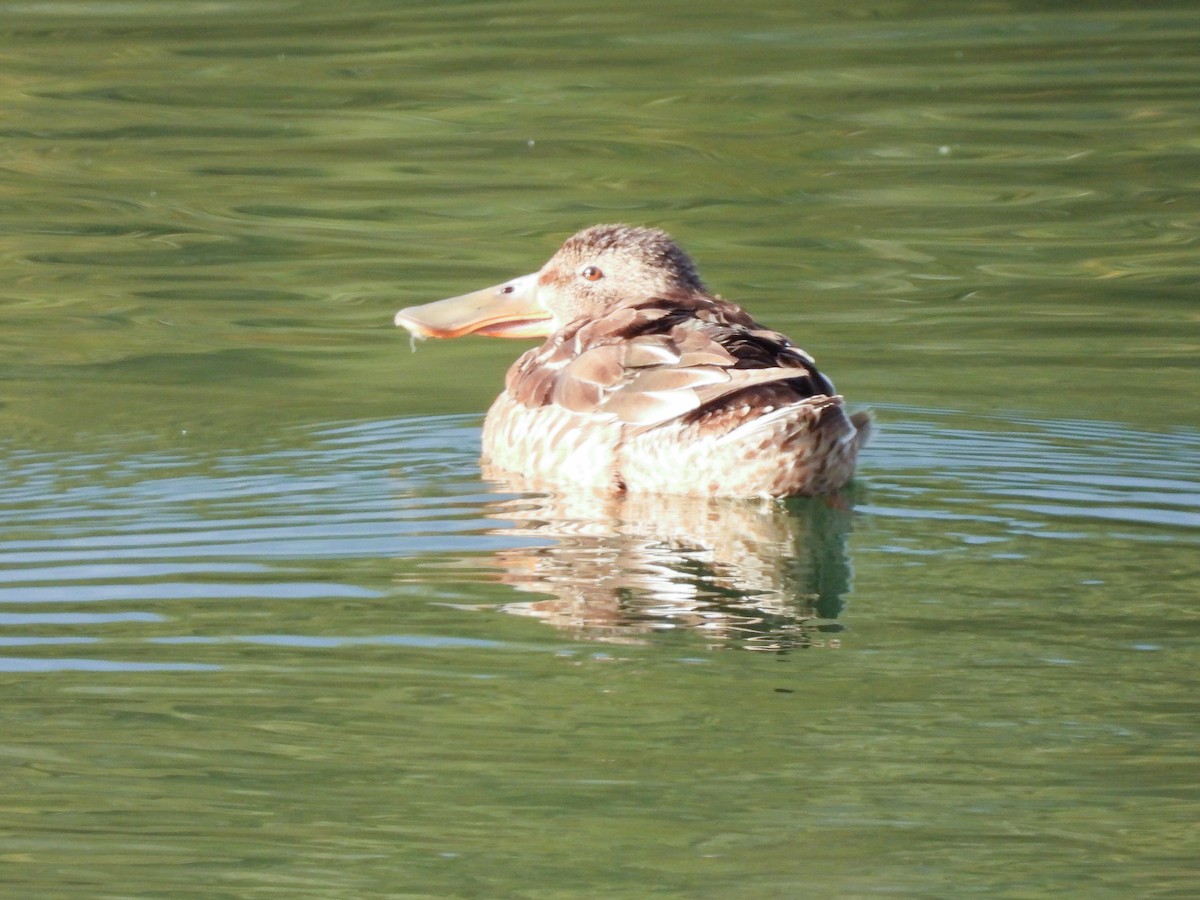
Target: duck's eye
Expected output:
[591,273]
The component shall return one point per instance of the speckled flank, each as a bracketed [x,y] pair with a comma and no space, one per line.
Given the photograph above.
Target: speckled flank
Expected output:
[809,449]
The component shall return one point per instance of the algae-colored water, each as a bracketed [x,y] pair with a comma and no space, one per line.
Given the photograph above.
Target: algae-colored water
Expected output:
[265,631]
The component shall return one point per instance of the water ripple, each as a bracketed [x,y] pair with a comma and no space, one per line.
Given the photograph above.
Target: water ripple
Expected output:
[382,515]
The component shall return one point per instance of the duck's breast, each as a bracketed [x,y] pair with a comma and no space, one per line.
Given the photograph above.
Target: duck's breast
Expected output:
[549,445]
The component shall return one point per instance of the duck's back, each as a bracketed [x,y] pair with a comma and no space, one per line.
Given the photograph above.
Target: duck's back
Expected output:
[683,394]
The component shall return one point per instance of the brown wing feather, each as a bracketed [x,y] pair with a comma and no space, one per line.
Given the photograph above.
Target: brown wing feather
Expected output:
[682,356]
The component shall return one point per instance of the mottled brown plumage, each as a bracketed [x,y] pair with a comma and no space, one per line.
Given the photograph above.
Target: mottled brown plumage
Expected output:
[648,382]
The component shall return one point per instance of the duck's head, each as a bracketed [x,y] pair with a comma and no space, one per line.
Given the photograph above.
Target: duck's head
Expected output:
[593,272]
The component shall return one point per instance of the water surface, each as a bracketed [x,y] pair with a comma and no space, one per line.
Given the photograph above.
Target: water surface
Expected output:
[266,631]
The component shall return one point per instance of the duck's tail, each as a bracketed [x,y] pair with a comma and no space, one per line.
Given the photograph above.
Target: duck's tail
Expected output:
[864,425]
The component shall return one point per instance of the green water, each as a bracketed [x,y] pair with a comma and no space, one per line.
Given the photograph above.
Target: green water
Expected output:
[265,632]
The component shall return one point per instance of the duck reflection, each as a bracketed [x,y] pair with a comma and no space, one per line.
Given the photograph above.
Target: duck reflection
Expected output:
[760,574]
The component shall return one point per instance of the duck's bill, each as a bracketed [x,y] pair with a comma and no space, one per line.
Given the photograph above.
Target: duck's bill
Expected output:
[507,310]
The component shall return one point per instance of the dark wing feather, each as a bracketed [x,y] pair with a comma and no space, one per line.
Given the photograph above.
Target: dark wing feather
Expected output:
[688,356]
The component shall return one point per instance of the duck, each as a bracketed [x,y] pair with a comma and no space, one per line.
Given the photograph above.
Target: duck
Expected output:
[646,381]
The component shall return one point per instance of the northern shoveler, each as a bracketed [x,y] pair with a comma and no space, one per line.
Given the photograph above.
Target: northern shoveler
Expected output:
[648,382]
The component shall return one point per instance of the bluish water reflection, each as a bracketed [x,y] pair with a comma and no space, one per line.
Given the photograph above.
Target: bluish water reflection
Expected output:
[352,513]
